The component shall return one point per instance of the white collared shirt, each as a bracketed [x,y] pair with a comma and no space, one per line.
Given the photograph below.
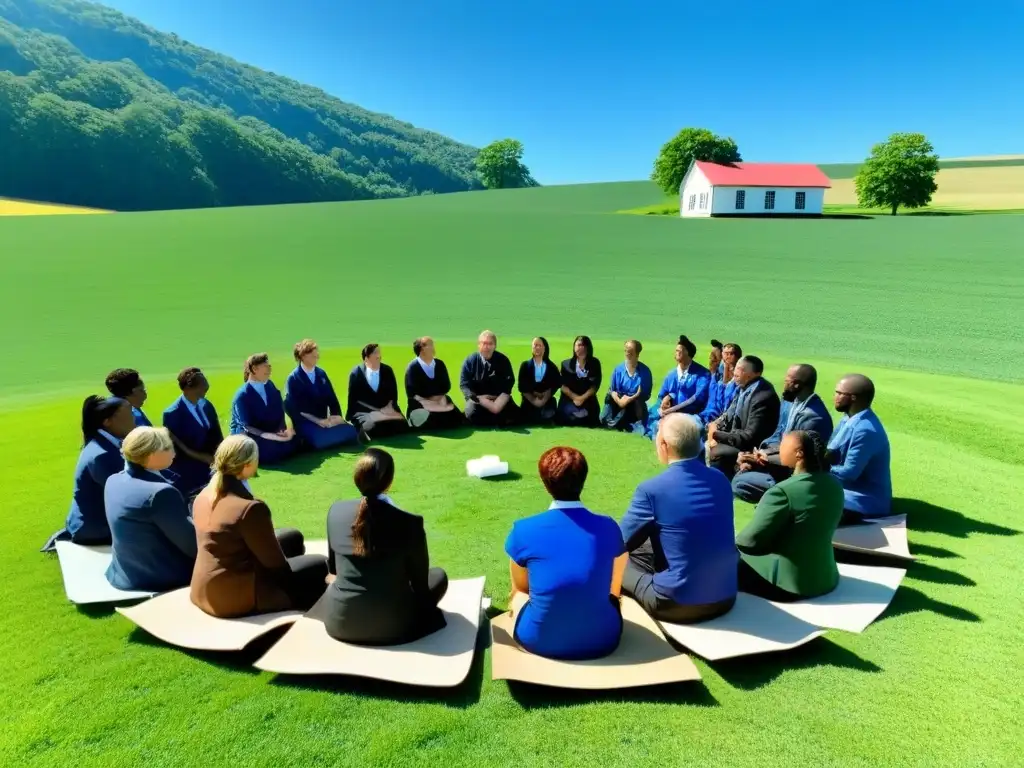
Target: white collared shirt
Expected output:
[311,373]
[373,378]
[556,504]
[109,437]
[428,368]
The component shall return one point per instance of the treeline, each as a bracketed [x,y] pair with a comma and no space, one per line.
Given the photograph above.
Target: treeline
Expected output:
[97,109]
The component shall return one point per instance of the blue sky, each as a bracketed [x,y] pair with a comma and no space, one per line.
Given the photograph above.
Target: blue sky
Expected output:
[594,89]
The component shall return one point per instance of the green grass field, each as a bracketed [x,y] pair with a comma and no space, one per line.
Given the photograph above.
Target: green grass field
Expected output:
[931,308]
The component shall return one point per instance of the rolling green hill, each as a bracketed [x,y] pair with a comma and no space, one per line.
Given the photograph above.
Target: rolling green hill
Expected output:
[98,109]
[838,171]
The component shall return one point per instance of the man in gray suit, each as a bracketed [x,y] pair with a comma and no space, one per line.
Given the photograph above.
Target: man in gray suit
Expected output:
[801,410]
[751,417]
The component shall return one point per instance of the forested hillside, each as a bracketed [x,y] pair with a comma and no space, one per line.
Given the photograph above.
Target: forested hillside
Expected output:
[98,109]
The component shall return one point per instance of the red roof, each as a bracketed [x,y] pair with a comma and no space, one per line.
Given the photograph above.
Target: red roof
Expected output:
[764,175]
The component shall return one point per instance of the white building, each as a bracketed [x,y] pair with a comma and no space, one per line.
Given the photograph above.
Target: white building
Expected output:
[752,189]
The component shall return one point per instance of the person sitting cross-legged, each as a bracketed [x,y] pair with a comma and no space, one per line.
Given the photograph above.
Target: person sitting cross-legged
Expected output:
[679,532]
[801,409]
[685,388]
[312,404]
[195,429]
[578,405]
[427,385]
[625,405]
[373,397]
[786,550]
[750,419]
[486,381]
[566,568]
[538,383]
[257,410]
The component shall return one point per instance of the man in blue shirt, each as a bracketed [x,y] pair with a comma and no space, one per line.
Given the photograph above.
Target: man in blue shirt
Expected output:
[859,451]
[680,534]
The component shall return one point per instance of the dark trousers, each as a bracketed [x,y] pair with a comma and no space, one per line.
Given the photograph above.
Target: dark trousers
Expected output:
[638,583]
[479,416]
[623,419]
[308,578]
[751,582]
[723,458]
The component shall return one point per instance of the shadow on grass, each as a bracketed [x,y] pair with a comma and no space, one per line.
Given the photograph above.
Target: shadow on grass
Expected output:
[102,610]
[910,600]
[236,661]
[915,568]
[508,477]
[753,672]
[922,516]
[928,550]
[531,696]
[460,697]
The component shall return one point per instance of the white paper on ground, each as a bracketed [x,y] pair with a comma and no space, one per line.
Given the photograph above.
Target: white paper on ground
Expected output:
[84,572]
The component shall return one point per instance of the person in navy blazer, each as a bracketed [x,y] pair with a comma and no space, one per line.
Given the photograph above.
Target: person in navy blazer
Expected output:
[859,452]
[680,534]
[802,410]
[105,422]
[128,385]
[195,429]
[311,403]
[153,540]
[257,410]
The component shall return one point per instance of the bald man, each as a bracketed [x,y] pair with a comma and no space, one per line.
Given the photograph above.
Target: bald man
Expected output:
[801,410]
[859,451]
[486,382]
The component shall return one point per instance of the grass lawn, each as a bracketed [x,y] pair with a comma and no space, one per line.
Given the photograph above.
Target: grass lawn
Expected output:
[929,307]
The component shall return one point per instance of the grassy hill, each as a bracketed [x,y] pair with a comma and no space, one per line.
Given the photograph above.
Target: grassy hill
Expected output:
[884,296]
[98,109]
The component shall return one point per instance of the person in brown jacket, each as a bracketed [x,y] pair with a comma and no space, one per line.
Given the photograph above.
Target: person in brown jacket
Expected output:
[244,566]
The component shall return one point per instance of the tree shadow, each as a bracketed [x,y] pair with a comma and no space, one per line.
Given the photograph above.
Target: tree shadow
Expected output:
[462,696]
[752,672]
[534,696]
[910,600]
[915,568]
[922,516]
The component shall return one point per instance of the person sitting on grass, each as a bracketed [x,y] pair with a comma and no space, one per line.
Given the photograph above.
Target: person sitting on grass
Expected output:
[802,410]
[244,566]
[566,569]
[721,387]
[153,540]
[105,423]
[538,382]
[859,451]
[373,397]
[625,405]
[128,385]
[427,385]
[312,404]
[685,388]
[679,532]
[257,410]
[750,419]
[486,382]
[383,590]
[786,550]
[195,429]
[581,377]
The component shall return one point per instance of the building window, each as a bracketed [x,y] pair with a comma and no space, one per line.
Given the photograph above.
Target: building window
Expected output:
[693,202]
[769,200]
[741,199]
[703,200]
[801,200]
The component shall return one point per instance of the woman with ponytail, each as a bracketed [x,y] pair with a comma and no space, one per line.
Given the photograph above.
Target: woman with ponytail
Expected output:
[244,565]
[257,410]
[105,423]
[384,591]
[786,550]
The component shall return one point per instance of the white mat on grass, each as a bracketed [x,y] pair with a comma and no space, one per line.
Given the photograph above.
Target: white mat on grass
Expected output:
[864,592]
[442,659]
[643,657]
[84,572]
[175,619]
[882,536]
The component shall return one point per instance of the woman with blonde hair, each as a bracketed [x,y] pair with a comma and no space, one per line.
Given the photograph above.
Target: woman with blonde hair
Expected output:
[257,410]
[244,566]
[153,541]
[311,402]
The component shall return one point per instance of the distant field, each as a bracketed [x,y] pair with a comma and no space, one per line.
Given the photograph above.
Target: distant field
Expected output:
[991,187]
[9,207]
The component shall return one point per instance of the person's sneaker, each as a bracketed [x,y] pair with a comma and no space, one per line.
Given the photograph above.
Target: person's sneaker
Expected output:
[419,417]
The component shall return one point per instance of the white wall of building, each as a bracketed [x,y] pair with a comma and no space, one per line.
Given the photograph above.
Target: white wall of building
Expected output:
[724,200]
[695,185]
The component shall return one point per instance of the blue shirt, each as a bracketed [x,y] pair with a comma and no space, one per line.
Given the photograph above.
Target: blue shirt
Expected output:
[627,385]
[689,389]
[195,410]
[373,378]
[260,387]
[140,418]
[569,553]
[863,469]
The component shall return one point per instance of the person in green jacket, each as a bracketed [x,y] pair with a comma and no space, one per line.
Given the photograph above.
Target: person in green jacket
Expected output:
[786,550]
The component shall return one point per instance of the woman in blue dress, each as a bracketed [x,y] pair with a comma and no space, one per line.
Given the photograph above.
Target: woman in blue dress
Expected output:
[257,410]
[578,405]
[311,403]
[685,388]
[538,383]
[625,405]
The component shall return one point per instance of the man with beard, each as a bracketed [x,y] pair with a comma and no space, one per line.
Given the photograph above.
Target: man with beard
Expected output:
[859,452]
[749,420]
[801,410]
[486,381]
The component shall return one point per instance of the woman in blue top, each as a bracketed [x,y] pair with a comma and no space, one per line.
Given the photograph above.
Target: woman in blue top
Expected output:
[628,392]
[311,403]
[566,569]
[685,388]
[538,383]
[257,410]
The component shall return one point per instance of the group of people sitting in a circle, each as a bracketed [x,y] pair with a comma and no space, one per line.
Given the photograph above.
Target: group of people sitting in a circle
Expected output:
[175,505]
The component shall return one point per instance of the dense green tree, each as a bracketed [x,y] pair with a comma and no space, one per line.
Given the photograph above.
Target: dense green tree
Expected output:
[900,172]
[686,146]
[500,165]
[98,109]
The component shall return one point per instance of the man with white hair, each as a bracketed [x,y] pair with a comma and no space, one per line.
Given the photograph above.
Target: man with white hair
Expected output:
[486,382]
[679,532]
